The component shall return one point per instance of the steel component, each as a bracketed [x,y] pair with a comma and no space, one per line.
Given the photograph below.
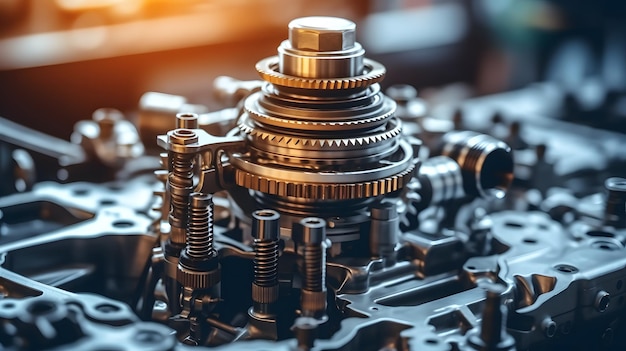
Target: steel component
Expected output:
[384,231]
[311,234]
[493,335]
[615,208]
[265,231]
[180,184]
[486,163]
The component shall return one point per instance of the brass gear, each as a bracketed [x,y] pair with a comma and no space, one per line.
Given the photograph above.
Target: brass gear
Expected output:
[324,191]
[374,72]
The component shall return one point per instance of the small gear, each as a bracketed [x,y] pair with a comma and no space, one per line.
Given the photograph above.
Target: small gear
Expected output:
[268,69]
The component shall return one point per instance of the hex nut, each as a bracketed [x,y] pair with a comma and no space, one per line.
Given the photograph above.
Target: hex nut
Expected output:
[322,34]
[182,137]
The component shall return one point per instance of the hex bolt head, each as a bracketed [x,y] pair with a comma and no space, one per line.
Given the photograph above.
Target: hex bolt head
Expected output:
[549,327]
[322,34]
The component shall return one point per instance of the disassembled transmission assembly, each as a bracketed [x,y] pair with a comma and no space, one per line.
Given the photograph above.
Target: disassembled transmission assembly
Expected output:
[317,214]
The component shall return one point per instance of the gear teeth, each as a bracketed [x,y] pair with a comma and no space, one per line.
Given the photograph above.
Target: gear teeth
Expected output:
[324,191]
[267,69]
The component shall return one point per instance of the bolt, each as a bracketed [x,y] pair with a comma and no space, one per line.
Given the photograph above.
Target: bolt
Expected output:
[198,265]
[322,33]
[180,185]
[492,334]
[615,208]
[384,225]
[265,230]
[106,119]
[549,327]
[200,233]
[602,301]
[311,233]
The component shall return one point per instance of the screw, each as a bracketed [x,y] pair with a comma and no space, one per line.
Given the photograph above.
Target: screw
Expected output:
[265,230]
[311,233]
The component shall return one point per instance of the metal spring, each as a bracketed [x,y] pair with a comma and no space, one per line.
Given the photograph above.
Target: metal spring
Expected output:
[314,267]
[200,232]
[180,178]
[265,262]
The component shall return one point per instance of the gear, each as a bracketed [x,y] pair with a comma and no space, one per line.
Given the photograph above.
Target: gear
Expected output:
[374,72]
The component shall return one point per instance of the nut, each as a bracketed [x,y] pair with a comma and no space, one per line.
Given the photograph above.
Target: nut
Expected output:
[322,33]
[182,137]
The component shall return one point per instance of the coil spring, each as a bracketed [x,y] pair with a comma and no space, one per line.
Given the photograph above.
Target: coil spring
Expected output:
[265,262]
[314,268]
[200,232]
[180,179]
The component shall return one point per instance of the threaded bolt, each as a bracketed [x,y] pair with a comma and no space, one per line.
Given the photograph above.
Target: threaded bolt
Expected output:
[265,231]
[180,183]
[311,233]
[200,233]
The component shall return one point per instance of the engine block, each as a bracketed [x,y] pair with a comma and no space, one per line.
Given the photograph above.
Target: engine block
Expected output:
[318,213]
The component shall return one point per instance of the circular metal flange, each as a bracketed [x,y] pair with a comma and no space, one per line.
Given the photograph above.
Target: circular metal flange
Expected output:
[385,177]
[374,72]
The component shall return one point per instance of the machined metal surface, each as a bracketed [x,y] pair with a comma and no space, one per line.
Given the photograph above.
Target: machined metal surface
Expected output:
[319,214]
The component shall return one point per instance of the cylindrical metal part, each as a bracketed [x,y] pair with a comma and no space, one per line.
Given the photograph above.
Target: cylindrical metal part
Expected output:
[441,179]
[615,207]
[311,234]
[486,162]
[265,231]
[180,184]
[200,232]
[321,47]
[492,334]
[384,226]
[186,120]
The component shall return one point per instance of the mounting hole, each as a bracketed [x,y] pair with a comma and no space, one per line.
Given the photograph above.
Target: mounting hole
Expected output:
[514,225]
[123,223]
[530,240]
[431,341]
[107,308]
[605,245]
[600,234]
[8,305]
[374,308]
[543,227]
[80,192]
[40,308]
[566,268]
[148,337]
[107,202]
[471,268]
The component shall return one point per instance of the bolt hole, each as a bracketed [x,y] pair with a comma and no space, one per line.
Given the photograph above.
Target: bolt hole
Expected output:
[40,308]
[8,305]
[80,192]
[514,225]
[471,268]
[107,202]
[600,234]
[148,337]
[530,241]
[566,268]
[432,341]
[123,224]
[107,308]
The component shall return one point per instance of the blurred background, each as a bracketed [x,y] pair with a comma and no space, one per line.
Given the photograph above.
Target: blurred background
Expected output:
[62,59]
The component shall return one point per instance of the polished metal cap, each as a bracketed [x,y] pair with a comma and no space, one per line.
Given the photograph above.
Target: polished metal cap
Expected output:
[322,33]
